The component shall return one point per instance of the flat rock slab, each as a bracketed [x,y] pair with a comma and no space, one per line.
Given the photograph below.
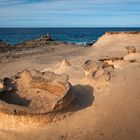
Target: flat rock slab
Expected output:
[35,93]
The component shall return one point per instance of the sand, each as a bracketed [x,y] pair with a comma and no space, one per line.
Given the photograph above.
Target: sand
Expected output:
[105,111]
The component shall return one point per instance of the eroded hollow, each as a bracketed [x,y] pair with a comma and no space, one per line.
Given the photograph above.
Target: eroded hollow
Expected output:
[10,96]
[34,92]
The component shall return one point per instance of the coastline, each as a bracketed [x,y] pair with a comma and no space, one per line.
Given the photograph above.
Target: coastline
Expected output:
[69,35]
[109,111]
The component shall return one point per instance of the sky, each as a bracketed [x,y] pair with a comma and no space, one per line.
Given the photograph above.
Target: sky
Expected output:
[69,13]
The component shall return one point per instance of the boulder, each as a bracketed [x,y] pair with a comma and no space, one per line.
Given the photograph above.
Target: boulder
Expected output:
[96,70]
[35,93]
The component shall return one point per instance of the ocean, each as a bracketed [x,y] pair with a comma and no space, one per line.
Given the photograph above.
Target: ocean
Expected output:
[71,35]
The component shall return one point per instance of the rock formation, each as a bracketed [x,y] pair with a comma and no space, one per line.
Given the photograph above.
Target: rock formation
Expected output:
[47,37]
[114,43]
[34,92]
[96,71]
[65,64]
[115,62]
[131,49]
[132,55]
[65,67]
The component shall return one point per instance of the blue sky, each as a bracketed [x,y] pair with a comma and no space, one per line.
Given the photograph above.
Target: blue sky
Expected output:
[69,13]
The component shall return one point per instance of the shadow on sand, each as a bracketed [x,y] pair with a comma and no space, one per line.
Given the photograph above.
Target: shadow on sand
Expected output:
[84,97]
[10,96]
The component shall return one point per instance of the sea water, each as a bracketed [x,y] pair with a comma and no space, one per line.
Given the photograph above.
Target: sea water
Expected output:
[72,35]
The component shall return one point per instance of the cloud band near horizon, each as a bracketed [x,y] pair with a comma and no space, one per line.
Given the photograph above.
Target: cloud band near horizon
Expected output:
[69,13]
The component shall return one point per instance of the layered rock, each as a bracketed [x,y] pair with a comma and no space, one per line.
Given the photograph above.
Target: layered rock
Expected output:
[34,92]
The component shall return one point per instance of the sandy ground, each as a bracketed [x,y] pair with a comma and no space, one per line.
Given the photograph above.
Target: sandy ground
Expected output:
[105,112]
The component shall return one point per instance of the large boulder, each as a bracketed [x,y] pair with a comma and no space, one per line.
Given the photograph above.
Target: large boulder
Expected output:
[34,92]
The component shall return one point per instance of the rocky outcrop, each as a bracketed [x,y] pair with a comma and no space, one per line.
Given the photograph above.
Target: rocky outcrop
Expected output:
[38,42]
[47,37]
[132,55]
[130,49]
[96,71]
[34,92]
[65,67]
[65,63]
[114,62]
[120,62]
[115,43]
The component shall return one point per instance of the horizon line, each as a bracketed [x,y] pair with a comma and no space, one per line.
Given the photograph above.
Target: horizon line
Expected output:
[75,27]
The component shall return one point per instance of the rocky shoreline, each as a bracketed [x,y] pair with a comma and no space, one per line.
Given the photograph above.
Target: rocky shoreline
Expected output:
[101,88]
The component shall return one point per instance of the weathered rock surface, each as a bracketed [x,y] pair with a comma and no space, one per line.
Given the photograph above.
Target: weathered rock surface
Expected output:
[115,62]
[130,49]
[115,43]
[96,70]
[34,92]
[132,55]
[119,62]
[45,40]
[38,42]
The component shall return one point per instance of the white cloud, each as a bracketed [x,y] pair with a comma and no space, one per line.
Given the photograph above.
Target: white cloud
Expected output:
[67,12]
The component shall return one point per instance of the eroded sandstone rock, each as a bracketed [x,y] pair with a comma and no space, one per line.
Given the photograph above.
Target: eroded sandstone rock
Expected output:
[34,92]
[131,49]
[115,62]
[132,55]
[96,70]
[65,63]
